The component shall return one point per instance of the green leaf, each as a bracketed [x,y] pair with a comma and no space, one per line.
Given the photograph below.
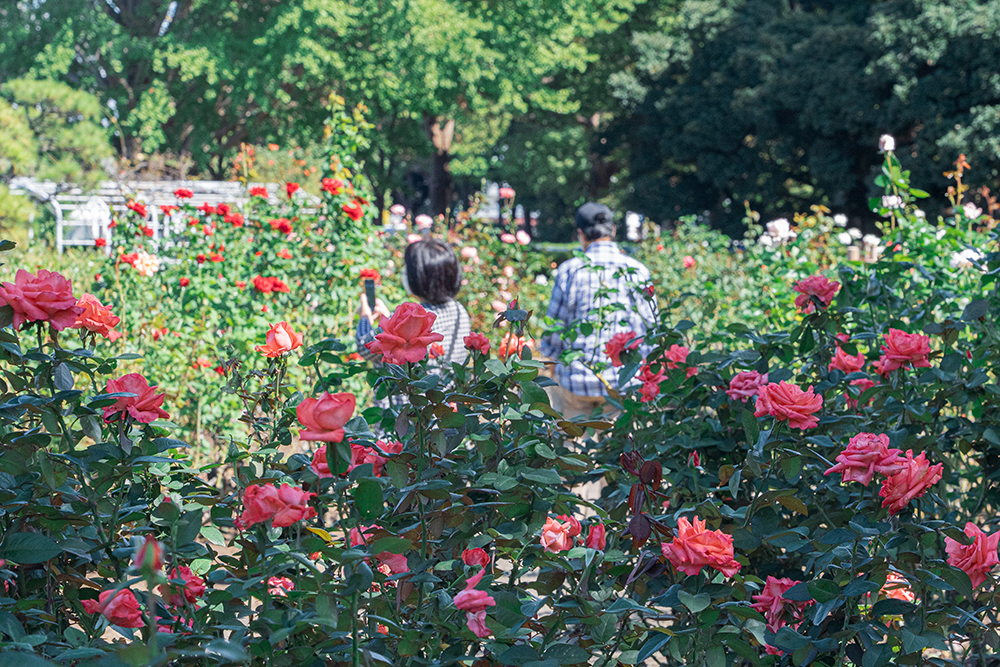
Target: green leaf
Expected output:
[751,427]
[28,548]
[695,603]
[960,581]
[213,535]
[542,475]
[394,545]
[715,656]
[566,654]
[368,498]
[823,590]
[794,504]
[605,629]
[976,309]
[860,586]
[16,659]
[912,643]
[892,607]
[518,655]
[653,644]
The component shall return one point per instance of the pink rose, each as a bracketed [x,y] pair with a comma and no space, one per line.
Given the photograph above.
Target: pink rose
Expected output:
[507,237]
[143,407]
[424,221]
[468,252]
[119,607]
[278,586]
[319,463]
[689,262]
[745,384]
[506,193]
[846,362]
[473,600]
[866,454]
[406,335]
[555,537]
[976,559]
[694,547]
[773,605]
[361,455]
[45,297]
[283,506]
[413,238]
[650,390]
[902,349]
[323,418]
[476,622]
[621,342]
[677,355]
[820,287]
[911,481]
[787,402]
[863,384]
[97,318]
[522,237]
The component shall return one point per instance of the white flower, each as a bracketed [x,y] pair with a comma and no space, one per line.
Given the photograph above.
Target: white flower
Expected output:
[892,201]
[145,264]
[779,228]
[397,209]
[840,220]
[424,221]
[844,238]
[940,233]
[541,280]
[870,239]
[886,143]
[920,213]
[854,232]
[965,258]
[972,211]
[766,241]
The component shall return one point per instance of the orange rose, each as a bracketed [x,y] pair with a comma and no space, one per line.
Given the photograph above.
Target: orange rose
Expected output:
[866,454]
[280,340]
[323,418]
[787,402]
[694,547]
[97,318]
[406,335]
[555,537]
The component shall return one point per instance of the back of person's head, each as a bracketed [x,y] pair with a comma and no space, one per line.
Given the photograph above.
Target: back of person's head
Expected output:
[432,271]
[595,221]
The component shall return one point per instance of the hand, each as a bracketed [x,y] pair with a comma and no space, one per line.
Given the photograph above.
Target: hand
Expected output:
[365,311]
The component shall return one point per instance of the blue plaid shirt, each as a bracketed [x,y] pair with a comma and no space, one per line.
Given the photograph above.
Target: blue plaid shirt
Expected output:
[575,297]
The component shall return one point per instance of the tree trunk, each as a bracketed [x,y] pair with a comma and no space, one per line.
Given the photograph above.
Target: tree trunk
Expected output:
[441,184]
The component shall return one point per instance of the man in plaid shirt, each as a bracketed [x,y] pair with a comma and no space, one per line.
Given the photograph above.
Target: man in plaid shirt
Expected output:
[606,289]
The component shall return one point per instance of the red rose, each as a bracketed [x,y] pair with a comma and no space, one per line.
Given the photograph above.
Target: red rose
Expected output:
[141,209]
[512,344]
[477,341]
[332,185]
[787,402]
[97,318]
[596,537]
[323,418]
[191,590]
[235,219]
[100,243]
[291,189]
[119,607]
[45,297]
[143,407]
[281,225]
[284,254]
[650,390]
[372,274]
[183,193]
[259,191]
[405,335]
[506,193]
[621,342]
[353,210]
[472,557]
[185,282]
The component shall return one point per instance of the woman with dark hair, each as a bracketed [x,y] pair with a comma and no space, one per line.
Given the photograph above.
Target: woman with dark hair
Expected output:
[432,275]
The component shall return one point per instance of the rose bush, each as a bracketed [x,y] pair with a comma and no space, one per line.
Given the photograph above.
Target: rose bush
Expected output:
[464,520]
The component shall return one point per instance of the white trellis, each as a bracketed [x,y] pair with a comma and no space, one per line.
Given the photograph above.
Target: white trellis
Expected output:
[82,217]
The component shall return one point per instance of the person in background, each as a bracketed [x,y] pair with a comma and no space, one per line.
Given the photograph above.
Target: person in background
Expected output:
[431,273]
[620,279]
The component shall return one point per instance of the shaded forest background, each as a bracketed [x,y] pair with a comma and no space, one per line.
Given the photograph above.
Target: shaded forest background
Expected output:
[664,107]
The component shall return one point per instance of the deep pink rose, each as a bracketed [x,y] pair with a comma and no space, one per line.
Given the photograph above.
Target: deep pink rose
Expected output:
[787,402]
[902,349]
[119,607]
[745,384]
[819,286]
[193,588]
